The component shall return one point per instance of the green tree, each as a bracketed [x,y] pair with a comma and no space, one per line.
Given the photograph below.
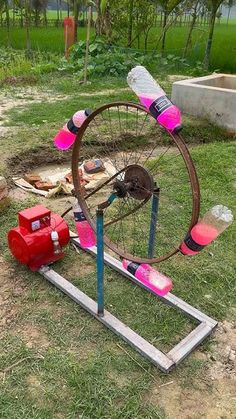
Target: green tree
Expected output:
[39,6]
[167,7]
[4,9]
[194,7]
[229,4]
[128,20]
[213,6]
[27,27]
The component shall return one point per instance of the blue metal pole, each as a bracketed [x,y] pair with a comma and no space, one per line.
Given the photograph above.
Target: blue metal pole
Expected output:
[100,263]
[153,223]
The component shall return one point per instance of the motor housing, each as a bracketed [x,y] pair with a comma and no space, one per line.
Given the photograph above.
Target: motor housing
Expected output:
[31,243]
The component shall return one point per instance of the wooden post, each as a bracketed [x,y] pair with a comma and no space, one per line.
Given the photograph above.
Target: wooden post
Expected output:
[69,29]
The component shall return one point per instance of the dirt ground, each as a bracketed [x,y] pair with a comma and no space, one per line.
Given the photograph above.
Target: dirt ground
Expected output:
[212,396]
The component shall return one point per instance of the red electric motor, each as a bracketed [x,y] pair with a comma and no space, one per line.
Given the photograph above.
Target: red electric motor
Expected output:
[39,238]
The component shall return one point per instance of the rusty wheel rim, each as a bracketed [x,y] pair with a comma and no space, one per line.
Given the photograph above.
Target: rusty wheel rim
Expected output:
[78,154]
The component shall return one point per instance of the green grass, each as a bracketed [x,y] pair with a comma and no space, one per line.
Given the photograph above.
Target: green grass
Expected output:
[223,56]
[83,371]
[73,366]
[42,39]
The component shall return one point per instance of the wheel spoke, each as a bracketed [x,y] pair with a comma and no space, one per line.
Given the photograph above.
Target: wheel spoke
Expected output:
[128,137]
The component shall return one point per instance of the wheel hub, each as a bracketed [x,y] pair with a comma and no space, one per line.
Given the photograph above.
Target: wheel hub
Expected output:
[137,183]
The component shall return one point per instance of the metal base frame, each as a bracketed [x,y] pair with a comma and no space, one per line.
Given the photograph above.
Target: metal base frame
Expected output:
[165,362]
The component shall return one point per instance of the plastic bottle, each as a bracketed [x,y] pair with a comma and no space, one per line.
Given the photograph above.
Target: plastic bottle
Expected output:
[85,232]
[214,222]
[154,99]
[154,280]
[67,135]
[56,245]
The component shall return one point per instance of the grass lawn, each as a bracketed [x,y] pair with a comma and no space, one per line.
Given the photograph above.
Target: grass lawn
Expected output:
[223,56]
[42,39]
[72,367]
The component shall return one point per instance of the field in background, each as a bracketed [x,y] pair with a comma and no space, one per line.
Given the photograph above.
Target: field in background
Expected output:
[223,56]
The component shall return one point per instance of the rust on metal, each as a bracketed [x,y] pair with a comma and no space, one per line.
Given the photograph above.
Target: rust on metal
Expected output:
[177,140]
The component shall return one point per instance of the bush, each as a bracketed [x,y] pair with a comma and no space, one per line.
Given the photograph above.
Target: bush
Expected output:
[108,60]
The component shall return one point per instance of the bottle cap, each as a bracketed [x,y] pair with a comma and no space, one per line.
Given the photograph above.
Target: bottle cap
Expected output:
[76,207]
[88,111]
[178,128]
[54,235]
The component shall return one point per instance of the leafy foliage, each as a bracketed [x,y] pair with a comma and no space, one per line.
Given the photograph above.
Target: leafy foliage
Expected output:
[105,60]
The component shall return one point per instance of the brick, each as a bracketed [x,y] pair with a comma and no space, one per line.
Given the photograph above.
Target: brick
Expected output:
[44,186]
[32,178]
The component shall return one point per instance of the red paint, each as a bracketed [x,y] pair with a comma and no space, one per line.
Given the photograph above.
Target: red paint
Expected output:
[69,34]
[31,242]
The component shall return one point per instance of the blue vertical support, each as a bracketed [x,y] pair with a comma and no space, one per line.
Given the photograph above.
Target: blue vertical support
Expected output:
[100,262]
[153,222]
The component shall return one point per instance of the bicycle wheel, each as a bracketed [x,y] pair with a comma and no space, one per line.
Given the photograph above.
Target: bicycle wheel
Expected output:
[142,159]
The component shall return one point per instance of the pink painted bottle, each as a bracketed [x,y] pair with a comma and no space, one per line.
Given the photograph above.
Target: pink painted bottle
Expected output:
[214,222]
[85,232]
[154,99]
[154,280]
[67,135]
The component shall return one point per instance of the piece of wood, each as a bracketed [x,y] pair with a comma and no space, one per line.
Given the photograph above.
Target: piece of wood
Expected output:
[140,344]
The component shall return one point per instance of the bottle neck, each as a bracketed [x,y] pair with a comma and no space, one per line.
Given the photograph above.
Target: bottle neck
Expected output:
[133,267]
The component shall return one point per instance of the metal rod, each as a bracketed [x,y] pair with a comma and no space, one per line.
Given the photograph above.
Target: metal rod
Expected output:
[100,263]
[153,222]
[108,202]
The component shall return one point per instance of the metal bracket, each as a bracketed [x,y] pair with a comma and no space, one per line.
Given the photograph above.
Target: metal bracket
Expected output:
[165,362]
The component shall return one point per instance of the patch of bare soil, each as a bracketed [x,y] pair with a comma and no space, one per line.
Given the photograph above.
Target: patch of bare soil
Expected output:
[211,396]
[29,160]
[224,353]
[18,194]
[35,386]
[32,336]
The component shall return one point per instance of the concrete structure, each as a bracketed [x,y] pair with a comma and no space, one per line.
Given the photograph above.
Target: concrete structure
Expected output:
[212,97]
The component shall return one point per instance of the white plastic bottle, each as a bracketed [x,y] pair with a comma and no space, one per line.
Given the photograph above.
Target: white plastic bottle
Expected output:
[214,222]
[56,245]
[153,97]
